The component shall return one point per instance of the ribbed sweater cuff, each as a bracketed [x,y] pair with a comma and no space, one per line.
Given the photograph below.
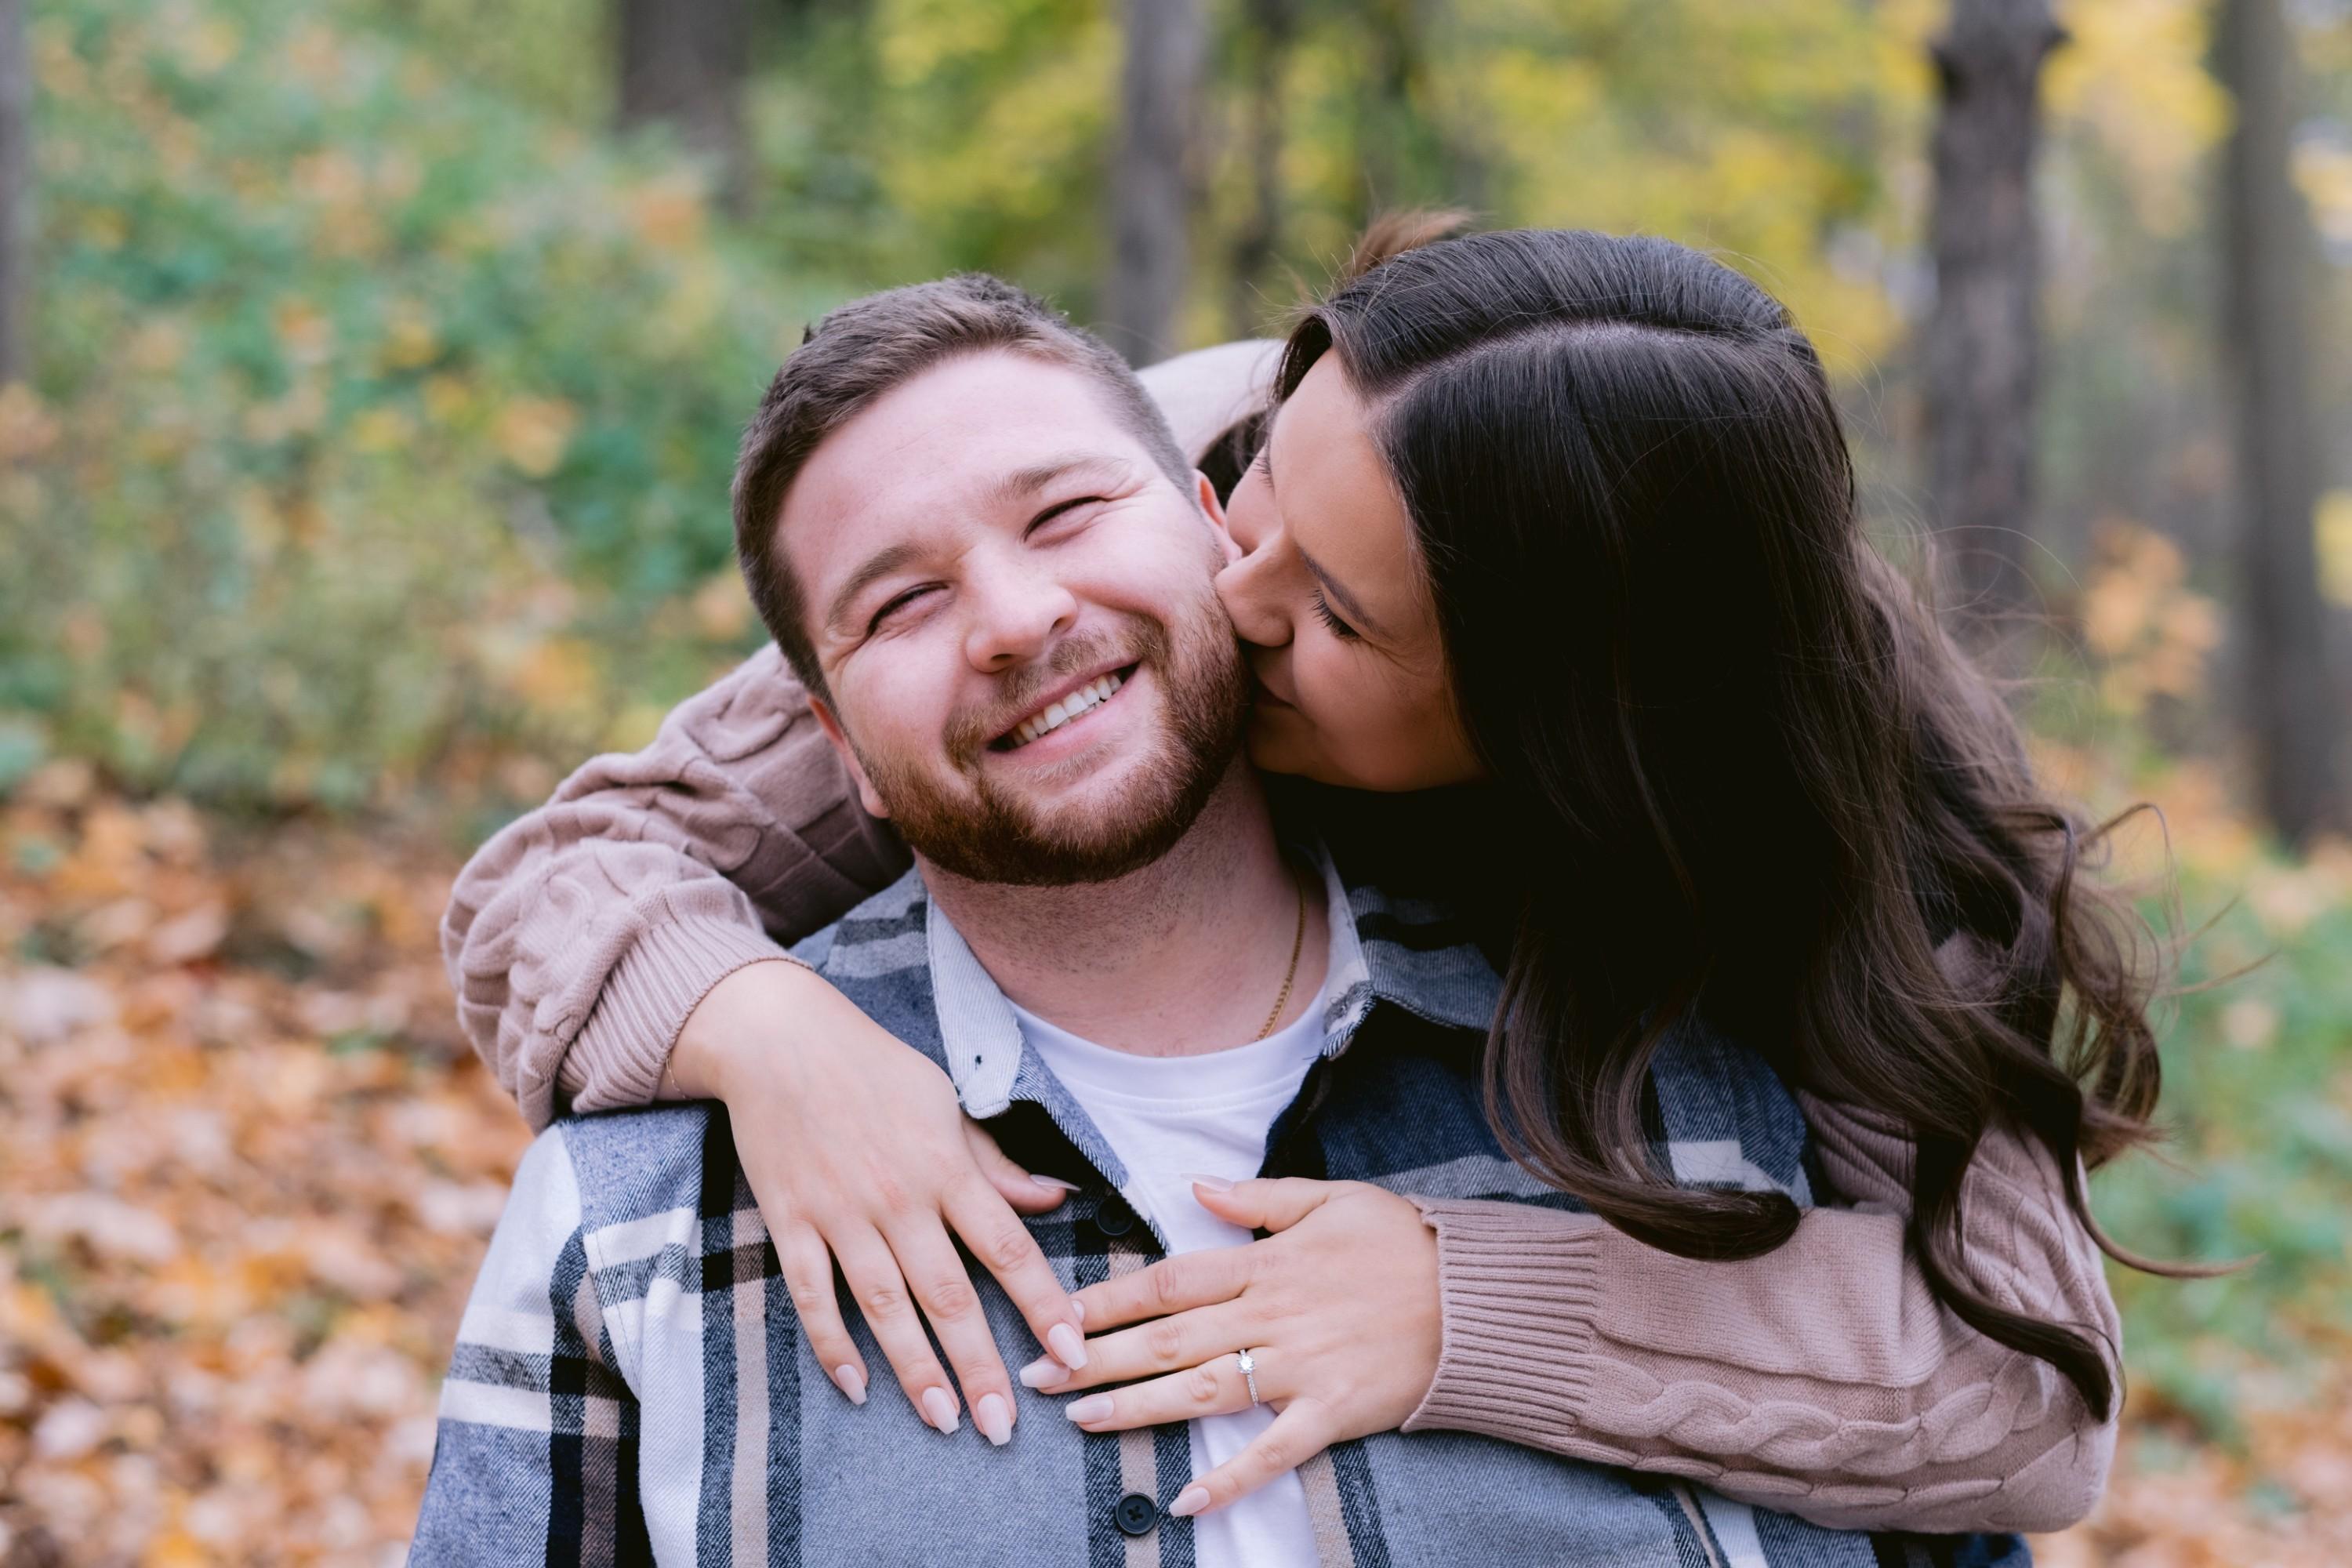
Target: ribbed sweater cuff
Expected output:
[1519,1302]
[617,1058]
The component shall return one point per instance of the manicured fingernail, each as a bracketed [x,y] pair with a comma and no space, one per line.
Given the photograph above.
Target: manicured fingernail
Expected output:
[1042,1372]
[1093,1407]
[1214,1184]
[938,1409]
[1078,1308]
[852,1382]
[1189,1502]
[994,1418]
[1068,1348]
[1055,1184]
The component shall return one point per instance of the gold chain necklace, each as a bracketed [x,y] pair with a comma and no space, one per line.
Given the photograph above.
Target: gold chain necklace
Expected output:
[1297,946]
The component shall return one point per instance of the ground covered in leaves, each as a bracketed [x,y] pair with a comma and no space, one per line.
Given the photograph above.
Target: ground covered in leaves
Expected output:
[248,1168]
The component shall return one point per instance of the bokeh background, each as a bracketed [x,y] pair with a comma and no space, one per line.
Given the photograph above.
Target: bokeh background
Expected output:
[370,372]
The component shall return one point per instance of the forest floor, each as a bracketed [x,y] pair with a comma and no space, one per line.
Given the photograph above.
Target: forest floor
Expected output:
[247,1167]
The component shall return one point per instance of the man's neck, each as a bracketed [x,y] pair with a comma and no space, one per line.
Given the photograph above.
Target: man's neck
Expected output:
[1184,956]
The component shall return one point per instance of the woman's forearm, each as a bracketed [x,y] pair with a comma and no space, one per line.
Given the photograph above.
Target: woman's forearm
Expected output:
[1821,1379]
[583,935]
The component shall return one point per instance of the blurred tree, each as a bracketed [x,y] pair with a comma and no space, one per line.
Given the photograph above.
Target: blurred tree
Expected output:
[2267,257]
[1264,39]
[15,193]
[682,63]
[1152,183]
[1980,346]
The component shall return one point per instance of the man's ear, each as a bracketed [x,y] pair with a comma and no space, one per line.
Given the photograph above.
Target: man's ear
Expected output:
[1215,511]
[848,755]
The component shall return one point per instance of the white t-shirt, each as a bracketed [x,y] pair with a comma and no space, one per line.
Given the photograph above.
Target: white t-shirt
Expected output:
[1166,1117]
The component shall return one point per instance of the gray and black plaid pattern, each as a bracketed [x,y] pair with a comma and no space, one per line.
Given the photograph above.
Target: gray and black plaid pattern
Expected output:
[630,1383]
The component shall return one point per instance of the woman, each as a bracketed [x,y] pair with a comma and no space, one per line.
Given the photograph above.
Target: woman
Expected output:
[1567,521]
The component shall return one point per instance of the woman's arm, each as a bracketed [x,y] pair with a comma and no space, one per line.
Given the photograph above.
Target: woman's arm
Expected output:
[582,935]
[1821,1379]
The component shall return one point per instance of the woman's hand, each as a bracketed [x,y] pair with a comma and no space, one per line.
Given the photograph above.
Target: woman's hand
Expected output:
[1340,1306]
[858,1151]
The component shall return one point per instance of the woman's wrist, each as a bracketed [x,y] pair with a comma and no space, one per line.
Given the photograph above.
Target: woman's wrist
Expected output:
[731,1021]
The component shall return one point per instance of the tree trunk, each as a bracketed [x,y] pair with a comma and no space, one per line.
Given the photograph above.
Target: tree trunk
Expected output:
[1269,25]
[15,193]
[682,63]
[1980,348]
[2267,262]
[1151,178]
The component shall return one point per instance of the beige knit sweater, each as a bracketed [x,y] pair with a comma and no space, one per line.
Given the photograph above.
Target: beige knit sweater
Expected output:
[1821,1379]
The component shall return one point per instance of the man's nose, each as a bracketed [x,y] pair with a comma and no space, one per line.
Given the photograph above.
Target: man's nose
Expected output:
[1017,614]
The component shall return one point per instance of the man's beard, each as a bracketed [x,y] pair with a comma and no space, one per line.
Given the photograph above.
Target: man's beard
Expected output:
[987,835]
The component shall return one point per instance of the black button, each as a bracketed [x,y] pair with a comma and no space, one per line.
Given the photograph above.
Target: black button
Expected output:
[1136,1514]
[1113,1217]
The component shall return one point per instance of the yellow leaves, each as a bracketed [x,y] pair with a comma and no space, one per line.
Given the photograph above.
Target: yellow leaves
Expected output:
[410,340]
[722,608]
[669,215]
[2334,528]
[206,46]
[533,432]
[2148,629]
[556,673]
[303,331]
[2134,75]
[27,428]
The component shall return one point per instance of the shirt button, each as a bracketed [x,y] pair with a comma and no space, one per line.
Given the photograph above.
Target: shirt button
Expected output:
[1113,1217]
[1136,1514]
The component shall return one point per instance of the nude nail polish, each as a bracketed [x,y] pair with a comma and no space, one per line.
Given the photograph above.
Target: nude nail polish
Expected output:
[1189,1502]
[1042,1372]
[1214,1184]
[852,1381]
[994,1418]
[939,1409]
[1093,1407]
[1068,1348]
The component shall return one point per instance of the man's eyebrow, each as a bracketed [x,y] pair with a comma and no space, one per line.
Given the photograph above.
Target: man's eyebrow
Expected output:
[1330,585]
[881,563]
[1023,483]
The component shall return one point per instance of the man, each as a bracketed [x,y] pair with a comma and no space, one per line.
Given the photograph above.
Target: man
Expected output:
[992,568]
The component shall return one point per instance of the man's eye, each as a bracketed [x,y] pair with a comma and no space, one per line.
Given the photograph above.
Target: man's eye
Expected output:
[1061,509]
[895,606]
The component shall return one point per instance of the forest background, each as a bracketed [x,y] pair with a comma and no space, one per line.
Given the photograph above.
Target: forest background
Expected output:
[370,372]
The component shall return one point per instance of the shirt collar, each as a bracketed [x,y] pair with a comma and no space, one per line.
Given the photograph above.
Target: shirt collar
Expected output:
[1407,952]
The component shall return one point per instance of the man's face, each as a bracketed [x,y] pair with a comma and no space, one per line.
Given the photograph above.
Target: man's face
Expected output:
[1013,606]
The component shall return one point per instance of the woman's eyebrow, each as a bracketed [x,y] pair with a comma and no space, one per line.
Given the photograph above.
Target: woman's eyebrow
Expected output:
[1347,602]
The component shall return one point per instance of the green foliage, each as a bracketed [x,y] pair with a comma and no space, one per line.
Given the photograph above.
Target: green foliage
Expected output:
[2258,1091]
[364,395]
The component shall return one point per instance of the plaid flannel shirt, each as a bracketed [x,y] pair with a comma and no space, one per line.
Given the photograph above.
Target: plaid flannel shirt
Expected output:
[630,1384]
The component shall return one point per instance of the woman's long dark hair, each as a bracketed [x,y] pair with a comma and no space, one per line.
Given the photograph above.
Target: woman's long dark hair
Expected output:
[1752,776]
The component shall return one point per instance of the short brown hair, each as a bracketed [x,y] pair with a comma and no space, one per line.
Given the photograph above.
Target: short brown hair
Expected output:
[864,350]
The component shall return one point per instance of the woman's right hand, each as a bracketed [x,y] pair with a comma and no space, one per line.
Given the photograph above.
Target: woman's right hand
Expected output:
[859,1152]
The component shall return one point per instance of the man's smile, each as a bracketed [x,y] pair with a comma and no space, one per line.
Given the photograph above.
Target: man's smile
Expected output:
[1058,711]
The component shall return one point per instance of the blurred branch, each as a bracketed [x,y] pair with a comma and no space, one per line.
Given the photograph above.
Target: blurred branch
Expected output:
[682,63]
[1981,347]
[1152,179]
[2267,257]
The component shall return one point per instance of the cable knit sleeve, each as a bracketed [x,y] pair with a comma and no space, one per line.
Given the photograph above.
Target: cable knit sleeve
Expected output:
[1821,1379]
[581,937]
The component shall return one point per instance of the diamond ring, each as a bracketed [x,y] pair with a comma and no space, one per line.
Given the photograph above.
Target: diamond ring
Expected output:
[1249,1373]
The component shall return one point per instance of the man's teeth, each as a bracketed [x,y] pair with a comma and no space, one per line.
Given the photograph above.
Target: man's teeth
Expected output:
[1057,714]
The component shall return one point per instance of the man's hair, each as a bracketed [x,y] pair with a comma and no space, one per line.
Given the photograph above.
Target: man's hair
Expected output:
[862,351]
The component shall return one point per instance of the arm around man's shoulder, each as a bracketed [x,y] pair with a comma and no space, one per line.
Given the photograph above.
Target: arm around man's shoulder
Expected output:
[581,936]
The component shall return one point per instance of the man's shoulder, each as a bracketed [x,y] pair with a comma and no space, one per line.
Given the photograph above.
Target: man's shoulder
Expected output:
[631,1165]
[883,935]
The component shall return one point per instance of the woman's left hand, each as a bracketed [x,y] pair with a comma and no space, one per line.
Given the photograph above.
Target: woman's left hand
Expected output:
[1339,1307]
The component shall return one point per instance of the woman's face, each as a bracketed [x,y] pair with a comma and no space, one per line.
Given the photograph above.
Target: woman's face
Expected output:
[1329,592]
